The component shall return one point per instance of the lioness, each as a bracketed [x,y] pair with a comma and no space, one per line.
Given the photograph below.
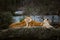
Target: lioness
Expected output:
[27,22]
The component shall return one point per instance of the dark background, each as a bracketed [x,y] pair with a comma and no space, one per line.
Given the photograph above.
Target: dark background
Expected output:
[30,7]
[46,6]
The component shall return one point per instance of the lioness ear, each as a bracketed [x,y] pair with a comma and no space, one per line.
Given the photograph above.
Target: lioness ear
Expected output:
[42,18]
[47,19]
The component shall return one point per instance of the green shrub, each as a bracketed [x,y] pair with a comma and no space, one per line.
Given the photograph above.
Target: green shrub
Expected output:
[21,19]
[5,19]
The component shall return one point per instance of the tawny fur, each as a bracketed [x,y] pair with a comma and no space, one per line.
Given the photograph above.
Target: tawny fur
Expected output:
[47,24]
[19,24]
[27,22]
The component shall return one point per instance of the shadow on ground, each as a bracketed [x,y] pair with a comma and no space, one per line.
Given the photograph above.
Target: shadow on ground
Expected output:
[37,33]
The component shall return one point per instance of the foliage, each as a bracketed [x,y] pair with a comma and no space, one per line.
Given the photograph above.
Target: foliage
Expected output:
[5,19]
[44,6]
[21,19]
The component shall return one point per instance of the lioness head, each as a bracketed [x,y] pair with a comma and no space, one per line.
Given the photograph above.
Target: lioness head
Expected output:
[28,19]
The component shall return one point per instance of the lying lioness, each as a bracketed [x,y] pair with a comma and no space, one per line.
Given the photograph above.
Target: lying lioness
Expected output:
[27,22]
